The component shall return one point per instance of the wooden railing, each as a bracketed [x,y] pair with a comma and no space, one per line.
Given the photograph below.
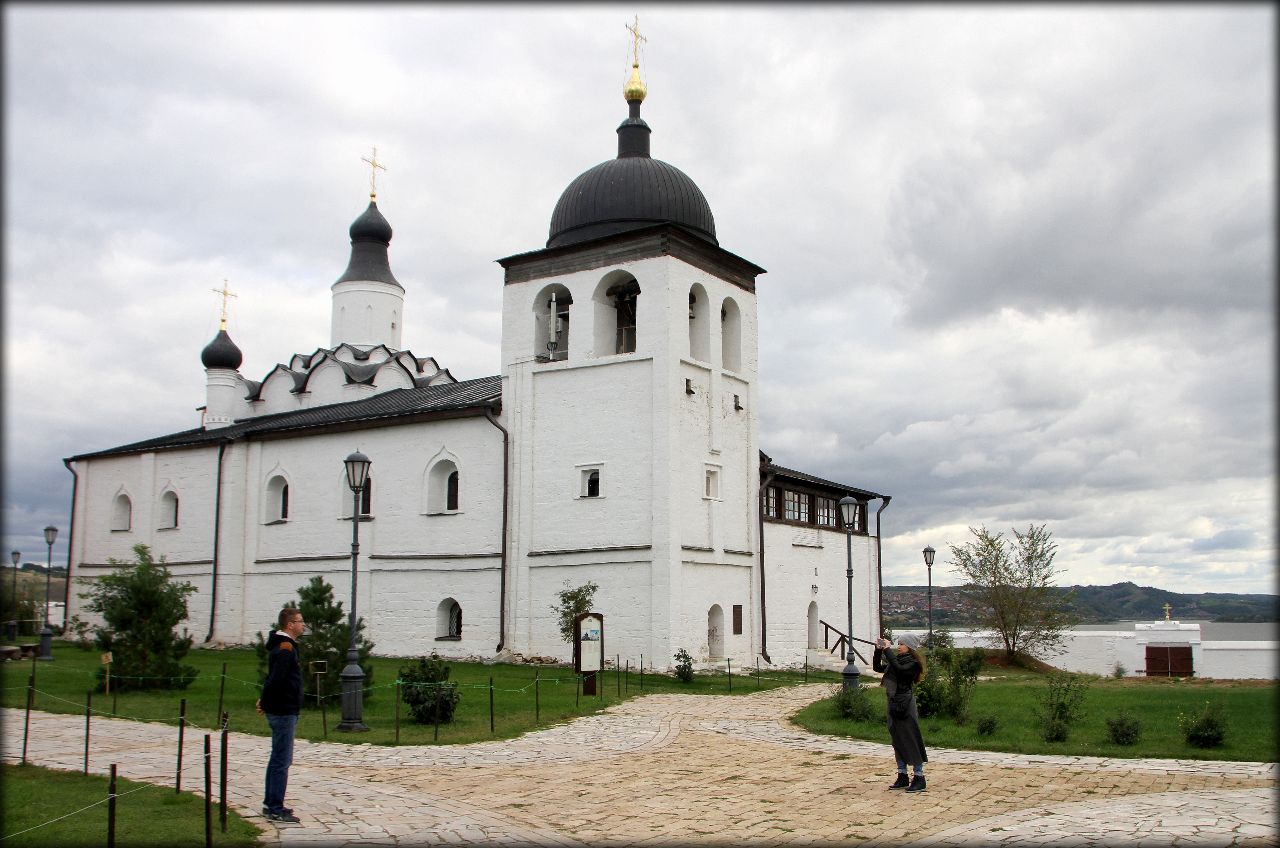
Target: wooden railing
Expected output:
[827,630]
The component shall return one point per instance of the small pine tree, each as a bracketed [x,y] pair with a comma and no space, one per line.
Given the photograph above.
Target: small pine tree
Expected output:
[141,606]
[327,638]
[571,603]
[425,687]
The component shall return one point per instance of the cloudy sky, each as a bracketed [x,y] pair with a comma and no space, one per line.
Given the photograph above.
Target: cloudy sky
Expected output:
[1021,258]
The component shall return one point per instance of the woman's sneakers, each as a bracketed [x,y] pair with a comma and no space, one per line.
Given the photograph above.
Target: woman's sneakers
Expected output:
[901,782]
[917,783]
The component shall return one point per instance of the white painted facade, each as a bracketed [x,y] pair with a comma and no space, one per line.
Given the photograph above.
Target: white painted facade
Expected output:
[638,469]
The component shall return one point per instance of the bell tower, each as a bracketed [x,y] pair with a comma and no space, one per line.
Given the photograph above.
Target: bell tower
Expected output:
[629,363]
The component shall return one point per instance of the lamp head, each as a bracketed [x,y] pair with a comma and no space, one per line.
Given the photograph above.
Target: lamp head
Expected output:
[849,514]
[357,470]
[928,556]
[15,556]
[50,534]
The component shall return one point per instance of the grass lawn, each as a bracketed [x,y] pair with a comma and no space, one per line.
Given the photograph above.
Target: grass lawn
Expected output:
[520,703]
[1250,708]
[146,814]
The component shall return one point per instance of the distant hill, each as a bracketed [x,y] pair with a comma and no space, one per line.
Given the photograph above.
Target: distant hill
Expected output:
[905,606]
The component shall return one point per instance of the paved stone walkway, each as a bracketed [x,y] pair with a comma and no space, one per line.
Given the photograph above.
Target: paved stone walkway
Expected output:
[690,769]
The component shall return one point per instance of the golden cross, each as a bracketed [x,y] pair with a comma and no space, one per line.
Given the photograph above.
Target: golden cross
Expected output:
[1166,611]
[636,38]
[374,167]
[226,293]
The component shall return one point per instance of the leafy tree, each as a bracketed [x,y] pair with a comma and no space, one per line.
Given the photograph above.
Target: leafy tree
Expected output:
[141,605]
[1010,584]
[327,638]
[571,603]
[684,666]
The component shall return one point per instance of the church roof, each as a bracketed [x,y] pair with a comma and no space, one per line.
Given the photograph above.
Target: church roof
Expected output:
[485,392]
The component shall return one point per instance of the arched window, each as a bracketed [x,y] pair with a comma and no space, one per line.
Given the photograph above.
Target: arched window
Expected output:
[448,620]
[551,323]
[730,336]
[616,310]
[366,497]
[122,513]
[168,510]
[442,484]
[699,326]
[276,500]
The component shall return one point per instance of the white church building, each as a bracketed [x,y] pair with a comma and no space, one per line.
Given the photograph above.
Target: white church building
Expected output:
[618,445]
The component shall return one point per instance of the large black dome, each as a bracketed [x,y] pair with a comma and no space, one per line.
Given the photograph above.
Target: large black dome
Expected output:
[630,192]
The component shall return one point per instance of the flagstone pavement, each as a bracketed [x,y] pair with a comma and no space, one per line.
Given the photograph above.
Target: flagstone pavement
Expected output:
[688,770]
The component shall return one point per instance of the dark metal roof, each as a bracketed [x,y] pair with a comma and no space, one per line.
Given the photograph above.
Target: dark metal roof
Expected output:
[370,238]
[768,467]
[629,192]
[397,403]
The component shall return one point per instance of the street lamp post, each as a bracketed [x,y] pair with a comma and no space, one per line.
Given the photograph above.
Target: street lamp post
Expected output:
[928,564]
[12,634]
[353,675]
[850,515]
[46,632]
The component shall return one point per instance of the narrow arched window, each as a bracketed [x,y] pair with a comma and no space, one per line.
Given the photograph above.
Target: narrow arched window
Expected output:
[168,511]
[442,488]
[699,326]
[451,491]
[276,501]
[448,620]
[593,485]
[616,313]
[122,513]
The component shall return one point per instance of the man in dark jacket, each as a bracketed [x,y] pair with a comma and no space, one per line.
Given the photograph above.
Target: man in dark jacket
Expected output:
[281,701]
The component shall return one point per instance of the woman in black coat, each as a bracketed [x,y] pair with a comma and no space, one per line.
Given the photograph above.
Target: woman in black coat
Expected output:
[903,668]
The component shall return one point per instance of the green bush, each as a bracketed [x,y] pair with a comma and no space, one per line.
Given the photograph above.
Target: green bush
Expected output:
[1119,671]
[684,666]
[425,689]
[1061,705]
[853,703]
[1206,729]
[986,725]
[949,681]
[1124,729]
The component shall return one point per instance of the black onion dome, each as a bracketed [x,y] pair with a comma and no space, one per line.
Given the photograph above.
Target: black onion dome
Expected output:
[371,226]
[630,192]
[370,238]
[221,353]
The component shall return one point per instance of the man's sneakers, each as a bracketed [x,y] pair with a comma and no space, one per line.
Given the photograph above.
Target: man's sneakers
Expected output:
[284,814]
[901,782]
[917,784]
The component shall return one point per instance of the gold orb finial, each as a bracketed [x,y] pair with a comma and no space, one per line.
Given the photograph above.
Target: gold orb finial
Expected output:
[635,88]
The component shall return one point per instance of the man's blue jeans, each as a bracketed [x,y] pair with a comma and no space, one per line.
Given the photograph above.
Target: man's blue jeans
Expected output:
[282,732]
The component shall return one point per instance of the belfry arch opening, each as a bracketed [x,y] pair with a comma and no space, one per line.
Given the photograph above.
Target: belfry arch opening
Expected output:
[617,302]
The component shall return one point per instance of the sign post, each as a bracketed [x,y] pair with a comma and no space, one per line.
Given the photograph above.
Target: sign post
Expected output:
[106,663]
[588,648]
